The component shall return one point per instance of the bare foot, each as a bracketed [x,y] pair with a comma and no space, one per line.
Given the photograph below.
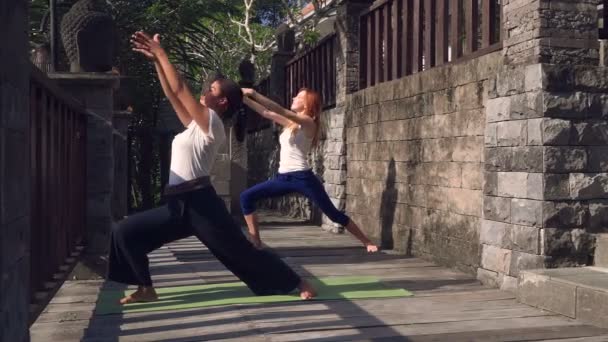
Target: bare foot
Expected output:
[306,290]
[143,294]
[371,248]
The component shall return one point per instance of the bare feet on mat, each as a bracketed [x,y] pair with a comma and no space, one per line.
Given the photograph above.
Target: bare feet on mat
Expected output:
[306,290]
[143,294]
[371,248]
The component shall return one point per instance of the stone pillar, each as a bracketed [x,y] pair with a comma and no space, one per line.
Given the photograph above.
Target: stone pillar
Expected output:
[347,46]
[285,51]
[120,121]
[14,172]
[346,50]
[545,142]
[95,92]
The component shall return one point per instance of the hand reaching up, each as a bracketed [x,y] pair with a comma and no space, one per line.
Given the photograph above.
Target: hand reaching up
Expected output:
[146,45]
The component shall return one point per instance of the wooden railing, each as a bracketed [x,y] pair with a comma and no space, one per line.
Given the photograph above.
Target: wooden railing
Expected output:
[402,37]
[314,69]
[58,178]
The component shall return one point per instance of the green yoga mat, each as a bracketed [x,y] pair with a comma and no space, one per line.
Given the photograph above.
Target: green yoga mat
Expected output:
[188,297]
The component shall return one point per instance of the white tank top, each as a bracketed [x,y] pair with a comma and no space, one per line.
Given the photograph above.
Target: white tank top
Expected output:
[294,151]
[193,152]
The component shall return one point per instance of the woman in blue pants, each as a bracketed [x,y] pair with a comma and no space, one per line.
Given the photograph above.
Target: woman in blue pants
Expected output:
[300,133]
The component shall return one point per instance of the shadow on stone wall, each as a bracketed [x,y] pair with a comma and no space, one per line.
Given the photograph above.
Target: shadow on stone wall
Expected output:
[388,206]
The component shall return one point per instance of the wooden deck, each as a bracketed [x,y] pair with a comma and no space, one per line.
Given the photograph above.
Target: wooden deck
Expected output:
[446,306]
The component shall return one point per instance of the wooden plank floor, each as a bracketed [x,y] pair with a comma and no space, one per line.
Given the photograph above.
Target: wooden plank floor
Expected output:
[447,305]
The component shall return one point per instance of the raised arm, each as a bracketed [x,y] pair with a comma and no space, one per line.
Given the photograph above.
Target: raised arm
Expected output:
[258,108]
[181,112]
[304,120]
[199,113]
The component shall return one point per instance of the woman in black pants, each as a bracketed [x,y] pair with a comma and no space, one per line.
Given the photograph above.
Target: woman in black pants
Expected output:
[193,207]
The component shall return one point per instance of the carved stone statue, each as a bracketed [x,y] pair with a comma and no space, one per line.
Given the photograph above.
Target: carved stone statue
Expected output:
[87,32]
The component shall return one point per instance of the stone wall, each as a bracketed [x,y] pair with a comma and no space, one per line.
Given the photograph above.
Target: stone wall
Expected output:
[546,142]
[494,165]
[415,161]
[14,176]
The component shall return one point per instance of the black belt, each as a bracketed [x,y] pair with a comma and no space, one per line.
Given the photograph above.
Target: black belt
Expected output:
[194,184]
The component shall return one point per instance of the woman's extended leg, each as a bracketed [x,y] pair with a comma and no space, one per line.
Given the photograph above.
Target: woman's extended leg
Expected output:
[136,236]
[275,187]
[262,271]
[310,186]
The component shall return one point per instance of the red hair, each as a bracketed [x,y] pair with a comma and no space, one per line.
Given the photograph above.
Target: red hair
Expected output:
[312,108]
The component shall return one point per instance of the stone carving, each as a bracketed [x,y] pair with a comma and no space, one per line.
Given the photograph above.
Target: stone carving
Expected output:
[87,32]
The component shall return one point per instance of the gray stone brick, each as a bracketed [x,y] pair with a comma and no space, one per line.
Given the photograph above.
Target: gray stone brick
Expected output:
[466,123]
[406,151]
[357,152]
[535,131]
[557,186]
[467,149]
[380,151]
[526,212]
[512,184]
[490,136]
[565,159]
[533,77]
[526,239]
[497,208]
[465,201]
[557,131]
[558,77]
[526,106]
[472,177]
[571,246]
[535,186]
[510,82]
[521,261]
[489,278]
[497,234]
[564,214]
[598,216]
[598,158]
[437,150]
[496,259]
[567,105]
[498,159]
[512,133]
[526,159]
[588,186]
[490,184]
[591,133]
[498,109]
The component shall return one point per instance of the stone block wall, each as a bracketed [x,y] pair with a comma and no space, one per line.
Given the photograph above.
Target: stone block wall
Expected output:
[544,193]
[415,161]
[546,186]
[14,177]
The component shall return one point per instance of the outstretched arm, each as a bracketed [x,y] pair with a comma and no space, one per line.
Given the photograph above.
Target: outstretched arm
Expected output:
[304,120]
[277,108]
[181,112]
[258,108]
[174,82]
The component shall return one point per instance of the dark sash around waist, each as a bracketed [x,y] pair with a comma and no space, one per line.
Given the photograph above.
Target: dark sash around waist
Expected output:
[194,184]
